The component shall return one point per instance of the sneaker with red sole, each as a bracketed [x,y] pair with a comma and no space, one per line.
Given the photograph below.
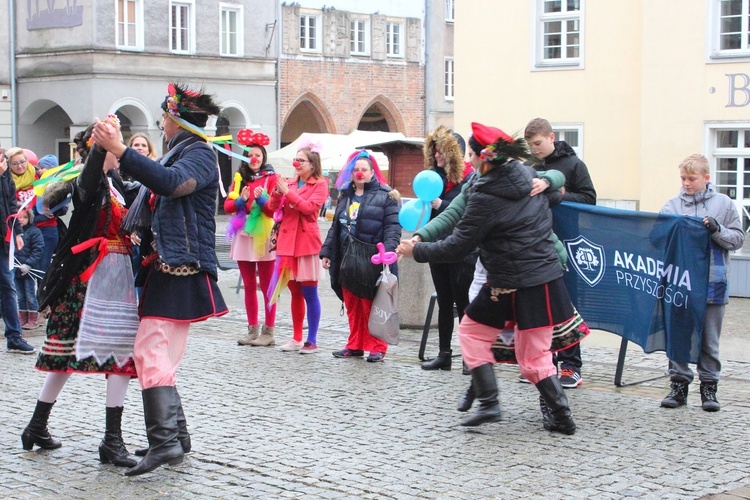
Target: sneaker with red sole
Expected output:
[308,348]
[375,357]
[570,379]
[348,353]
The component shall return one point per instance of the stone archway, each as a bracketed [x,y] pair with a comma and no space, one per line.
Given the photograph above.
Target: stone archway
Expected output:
[307,114]
[381,115]
[45,127]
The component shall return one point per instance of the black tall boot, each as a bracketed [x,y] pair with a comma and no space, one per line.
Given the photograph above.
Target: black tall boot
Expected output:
[464,404]
[442,362]
[36,432]
[554,405]
[485,389]
[182,433]
[112,448]
[160,413]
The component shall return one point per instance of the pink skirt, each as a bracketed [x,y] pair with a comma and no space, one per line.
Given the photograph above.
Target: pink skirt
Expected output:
[308,268]
[243,249]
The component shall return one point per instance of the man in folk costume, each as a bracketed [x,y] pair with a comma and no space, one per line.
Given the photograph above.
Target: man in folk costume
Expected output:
[175,212]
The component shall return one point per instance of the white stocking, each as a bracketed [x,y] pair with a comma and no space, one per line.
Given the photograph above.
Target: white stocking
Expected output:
[53,385]
[117,387]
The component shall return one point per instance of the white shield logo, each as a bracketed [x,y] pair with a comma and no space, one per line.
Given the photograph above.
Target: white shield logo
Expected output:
[587,259]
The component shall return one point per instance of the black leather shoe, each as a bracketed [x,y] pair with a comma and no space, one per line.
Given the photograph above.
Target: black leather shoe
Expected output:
[442,362]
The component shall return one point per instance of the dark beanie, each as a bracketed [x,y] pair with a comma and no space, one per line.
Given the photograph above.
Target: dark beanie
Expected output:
[461,142]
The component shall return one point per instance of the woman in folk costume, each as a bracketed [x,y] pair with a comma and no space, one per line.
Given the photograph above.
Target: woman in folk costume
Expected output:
[89,291]
[249,229]
[368,211]
[524,279]
[443,153]
[298,245]
[175,208]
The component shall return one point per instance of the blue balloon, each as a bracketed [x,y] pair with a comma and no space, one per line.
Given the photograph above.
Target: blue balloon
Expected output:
[427,185]
[414,214]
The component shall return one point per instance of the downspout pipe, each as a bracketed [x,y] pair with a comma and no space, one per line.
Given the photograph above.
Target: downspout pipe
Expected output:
[427,67]
[278,30]
[13,88]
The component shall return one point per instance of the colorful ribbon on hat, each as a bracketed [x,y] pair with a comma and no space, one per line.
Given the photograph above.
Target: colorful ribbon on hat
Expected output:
[62,173]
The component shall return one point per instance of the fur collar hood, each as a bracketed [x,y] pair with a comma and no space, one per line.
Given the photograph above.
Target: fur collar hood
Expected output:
[444,139]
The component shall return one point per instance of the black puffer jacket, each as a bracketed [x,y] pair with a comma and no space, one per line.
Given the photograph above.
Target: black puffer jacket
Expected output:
[512,229]
[578,185]
[377,221]
[8,206]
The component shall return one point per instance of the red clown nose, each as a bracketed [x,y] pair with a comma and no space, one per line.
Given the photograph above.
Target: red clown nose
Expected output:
[359,175]
[254,160]
[295,164]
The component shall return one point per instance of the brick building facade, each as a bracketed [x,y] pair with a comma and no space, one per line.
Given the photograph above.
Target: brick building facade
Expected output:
[343,71]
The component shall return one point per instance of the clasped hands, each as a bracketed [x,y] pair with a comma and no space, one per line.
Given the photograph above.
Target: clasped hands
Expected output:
[406,247]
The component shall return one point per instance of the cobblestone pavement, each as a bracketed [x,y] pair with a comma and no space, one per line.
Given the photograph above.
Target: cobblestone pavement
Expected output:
[270,424]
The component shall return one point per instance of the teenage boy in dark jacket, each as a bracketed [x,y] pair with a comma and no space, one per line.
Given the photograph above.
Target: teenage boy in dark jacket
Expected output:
[558,155]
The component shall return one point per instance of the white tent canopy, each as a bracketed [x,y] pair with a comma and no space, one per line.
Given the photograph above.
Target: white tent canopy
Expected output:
[334,149]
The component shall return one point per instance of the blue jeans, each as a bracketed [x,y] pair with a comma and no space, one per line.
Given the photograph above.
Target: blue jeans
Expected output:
[26,290]
[8,299]
[50,235]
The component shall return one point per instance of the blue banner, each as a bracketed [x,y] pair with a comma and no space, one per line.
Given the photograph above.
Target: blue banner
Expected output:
[640,275]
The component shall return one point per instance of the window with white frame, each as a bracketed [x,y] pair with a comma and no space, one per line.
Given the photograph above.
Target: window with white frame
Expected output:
[309,33]
[572,135]
[130,24]
[359,37]
[731,28]
[559,39]
[731,158]
[394,39]
[182,26]
[448,78]
[450,10]
[232,38]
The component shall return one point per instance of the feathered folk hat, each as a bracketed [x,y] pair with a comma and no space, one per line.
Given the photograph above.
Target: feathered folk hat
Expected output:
[345,176]
[497,146]
[193,106]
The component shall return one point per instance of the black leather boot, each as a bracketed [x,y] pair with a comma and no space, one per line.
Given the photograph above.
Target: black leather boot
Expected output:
[677,396]
[160,413]
[464,404]
[485,389]
[554,406]
[182,433]
[112,448]
[708,397]
[36,433]
[442,362]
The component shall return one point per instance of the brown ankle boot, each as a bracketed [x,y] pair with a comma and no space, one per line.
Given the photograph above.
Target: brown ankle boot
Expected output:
[252,334]
[266,337]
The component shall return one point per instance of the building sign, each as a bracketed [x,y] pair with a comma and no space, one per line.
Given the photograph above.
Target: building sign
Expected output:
[68,15]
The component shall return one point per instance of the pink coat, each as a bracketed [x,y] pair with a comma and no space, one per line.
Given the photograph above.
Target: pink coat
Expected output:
[299,233]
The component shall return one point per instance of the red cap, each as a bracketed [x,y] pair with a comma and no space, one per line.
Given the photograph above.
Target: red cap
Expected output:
[485,135]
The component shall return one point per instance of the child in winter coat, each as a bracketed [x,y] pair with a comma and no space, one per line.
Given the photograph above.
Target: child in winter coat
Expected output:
[29,259]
